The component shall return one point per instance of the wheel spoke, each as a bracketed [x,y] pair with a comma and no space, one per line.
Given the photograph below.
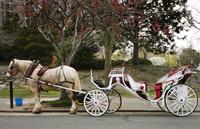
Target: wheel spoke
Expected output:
[102,107]
[114,104]
[89,103]
[188,106]
[191,99]
[174,93]
[185,108]
[93,109]
[172,101]
[175,107]
[190,103]
[172,97]
[102,100]
[190,95]
[173,104]
[177,112]
[98,109]
[90,107]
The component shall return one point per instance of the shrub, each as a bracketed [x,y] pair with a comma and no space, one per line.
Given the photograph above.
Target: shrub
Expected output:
[141,61]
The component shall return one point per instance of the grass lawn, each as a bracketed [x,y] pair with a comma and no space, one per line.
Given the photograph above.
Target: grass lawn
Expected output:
[24,92]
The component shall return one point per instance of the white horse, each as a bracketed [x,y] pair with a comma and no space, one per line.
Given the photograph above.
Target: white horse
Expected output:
[65,75]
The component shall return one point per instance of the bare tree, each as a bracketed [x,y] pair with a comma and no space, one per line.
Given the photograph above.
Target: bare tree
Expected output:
[62,23]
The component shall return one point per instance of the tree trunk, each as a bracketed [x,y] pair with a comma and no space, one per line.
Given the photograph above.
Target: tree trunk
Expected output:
[136,53]
[108,53]
[136,43]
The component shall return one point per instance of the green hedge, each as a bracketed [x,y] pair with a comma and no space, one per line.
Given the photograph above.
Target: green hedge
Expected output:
[141,61]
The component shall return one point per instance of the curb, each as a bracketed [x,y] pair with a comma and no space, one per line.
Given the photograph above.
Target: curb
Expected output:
[57,111]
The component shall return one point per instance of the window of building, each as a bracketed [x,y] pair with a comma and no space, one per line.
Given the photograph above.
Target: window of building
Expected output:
[2,5]
[7,6]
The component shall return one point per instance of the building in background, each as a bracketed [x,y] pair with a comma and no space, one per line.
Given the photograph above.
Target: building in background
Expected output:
[9,7]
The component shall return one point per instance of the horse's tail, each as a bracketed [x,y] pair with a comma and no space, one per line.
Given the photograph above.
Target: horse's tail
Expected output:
[77,83]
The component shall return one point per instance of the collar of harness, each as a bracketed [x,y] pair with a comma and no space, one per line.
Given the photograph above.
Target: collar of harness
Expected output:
[31,69]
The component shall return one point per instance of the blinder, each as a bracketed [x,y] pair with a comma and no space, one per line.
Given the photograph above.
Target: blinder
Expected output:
[13,70]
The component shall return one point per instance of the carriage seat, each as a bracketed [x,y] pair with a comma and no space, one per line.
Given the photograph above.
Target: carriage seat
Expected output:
[42,71]
[136,86]
[139,87]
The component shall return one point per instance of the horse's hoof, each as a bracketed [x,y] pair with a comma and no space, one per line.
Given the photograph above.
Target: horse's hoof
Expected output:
[36,111]
[72,112]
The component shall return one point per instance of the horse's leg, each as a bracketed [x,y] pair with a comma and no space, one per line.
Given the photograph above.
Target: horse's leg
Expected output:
[74,107]
[36,95]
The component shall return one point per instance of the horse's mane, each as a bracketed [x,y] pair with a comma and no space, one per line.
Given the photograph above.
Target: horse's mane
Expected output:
[18,60]
[22,63]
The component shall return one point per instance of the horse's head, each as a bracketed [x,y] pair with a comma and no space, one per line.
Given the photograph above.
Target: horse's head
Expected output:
[13,69]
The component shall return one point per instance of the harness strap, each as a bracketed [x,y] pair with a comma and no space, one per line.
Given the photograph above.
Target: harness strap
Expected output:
[42,71]
[65,79]
[31,69]
[39,87]
[40,74]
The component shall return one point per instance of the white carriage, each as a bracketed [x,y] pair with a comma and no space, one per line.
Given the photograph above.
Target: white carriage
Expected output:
[171,94]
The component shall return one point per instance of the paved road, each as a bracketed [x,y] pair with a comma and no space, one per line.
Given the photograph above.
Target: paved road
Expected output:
[84,121]
[3,68]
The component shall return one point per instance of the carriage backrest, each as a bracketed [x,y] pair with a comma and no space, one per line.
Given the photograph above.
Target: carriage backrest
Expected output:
[134,85]
[175,74]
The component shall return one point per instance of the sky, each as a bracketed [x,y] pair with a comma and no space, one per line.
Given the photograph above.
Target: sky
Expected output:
[193,35]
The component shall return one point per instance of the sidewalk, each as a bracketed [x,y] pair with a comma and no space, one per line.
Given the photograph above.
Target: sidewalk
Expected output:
[128,104]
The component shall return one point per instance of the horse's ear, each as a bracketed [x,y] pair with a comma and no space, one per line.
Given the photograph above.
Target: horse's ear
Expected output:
[13,60]
[13,63]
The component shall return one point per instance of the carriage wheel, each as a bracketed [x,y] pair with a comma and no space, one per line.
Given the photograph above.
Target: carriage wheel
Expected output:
[115,100]
[96,102]
[181,100]
[162,106]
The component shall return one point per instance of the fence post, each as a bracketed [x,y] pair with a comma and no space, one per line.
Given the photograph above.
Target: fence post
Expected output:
[11,93]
